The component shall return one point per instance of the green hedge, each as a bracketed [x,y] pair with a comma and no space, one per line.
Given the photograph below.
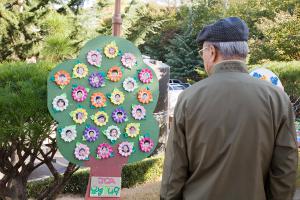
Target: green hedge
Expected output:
[144,171]
[288,73]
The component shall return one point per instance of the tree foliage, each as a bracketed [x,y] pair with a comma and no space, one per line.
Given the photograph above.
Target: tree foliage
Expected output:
[26,126]
[36,29]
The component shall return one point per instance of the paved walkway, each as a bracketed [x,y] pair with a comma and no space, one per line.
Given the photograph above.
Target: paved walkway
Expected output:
[151,189]
[297,195]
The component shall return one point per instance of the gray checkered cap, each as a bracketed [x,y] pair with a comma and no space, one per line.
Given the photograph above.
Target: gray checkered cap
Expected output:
[225,30]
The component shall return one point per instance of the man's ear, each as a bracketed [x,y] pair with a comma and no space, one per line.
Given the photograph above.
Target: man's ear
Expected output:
[214,54]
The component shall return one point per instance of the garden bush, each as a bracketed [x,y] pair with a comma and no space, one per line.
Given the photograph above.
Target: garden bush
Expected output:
[25,124]
[144,171]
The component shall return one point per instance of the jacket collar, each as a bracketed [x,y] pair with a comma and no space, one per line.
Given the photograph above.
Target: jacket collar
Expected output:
[230,66]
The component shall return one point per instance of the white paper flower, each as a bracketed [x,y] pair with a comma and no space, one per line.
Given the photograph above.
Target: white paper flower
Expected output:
[129,84]
[138,112]
[128,60]
[60,103]
[112,133]
[125,148]
[82,152]
[69,133]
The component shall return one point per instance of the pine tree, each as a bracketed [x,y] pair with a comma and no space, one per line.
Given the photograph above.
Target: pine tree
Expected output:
[25,30]
[183,55]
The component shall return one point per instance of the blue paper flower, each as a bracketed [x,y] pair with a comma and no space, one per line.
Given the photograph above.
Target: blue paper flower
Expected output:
[256,75]
[274,80]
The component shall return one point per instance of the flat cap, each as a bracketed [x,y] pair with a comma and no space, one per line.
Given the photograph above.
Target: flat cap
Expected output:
[225,30]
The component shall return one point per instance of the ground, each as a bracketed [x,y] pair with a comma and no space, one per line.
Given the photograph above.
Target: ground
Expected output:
[148,191]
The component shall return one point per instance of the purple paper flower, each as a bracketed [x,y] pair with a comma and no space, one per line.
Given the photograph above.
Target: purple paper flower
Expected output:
[119,115]
[91,134]
[96,80]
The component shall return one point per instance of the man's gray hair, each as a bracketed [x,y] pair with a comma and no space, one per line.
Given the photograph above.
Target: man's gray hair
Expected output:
[232,49]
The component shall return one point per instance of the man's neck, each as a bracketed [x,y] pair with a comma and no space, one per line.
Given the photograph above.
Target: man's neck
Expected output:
[239,62]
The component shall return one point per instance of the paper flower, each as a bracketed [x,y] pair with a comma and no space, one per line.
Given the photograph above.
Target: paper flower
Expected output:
[96,80]
[79,115]
[256,75]
[128,60]
[119,115]
[274,80]
[146,76]
[60,103]
[264,78]
[100,118]
[267,75]
[146,144]
[91,134]
[114,74]
[94,58]
[104,151]
[132,129]
[138,112]
[79,94]
[62,78]
[125,148]
[112,133]
[117,97]
[82,152]
[98,100]
[129,84]
[69,133]
[145,96]
[80,70]
[111,50]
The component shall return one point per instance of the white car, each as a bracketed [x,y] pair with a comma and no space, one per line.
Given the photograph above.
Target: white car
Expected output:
[176,87]
[176,81]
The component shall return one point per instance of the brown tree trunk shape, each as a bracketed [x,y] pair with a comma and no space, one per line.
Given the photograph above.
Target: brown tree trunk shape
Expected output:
[58,185]
[18,187]
[111,167]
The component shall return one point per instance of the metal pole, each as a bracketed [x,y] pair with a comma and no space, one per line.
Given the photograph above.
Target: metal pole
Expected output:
[117,19]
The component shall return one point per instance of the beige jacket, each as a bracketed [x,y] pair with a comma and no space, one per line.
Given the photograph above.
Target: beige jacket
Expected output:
[233,138]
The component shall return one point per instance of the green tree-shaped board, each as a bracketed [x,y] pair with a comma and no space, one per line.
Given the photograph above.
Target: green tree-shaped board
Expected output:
[103,102]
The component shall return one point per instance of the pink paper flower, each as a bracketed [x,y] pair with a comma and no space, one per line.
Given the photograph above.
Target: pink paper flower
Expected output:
[79,94]
[104,151]
[146,144]
[146,76]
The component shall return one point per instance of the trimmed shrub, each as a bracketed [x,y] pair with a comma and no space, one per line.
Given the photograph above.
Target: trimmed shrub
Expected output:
[25,123]
[144,171]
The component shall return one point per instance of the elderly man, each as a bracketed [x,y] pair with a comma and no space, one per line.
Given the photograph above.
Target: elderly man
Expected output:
[233,136]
